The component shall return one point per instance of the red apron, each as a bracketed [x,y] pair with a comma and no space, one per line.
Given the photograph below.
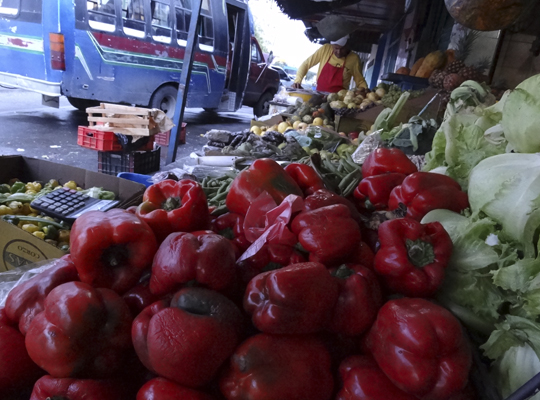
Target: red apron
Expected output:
[331,78]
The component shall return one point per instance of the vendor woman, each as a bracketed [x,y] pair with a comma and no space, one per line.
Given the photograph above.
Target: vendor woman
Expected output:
[337,64]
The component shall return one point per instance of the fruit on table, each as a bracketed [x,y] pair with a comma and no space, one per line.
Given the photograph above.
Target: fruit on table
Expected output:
[283,126]
[256,130]
[416,66]
[403,71]
[452,81]
[432,61]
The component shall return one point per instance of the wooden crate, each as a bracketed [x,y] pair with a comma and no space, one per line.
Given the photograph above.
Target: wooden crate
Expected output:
[126,120]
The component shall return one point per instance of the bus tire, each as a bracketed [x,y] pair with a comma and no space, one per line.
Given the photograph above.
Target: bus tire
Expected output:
[263,104]
[165,99]
[82,104]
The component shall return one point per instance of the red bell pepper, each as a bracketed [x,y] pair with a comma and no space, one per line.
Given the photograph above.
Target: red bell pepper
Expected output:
[26,300]
[170,206]
[268,367]
[306,177]
[374,191]
[322,198]
[111,249]
[383,160]
[363,380]
[329,234]
[17,370]
[187,339]
[231,226]
[363,255]
[163,389]
[205,257]
[139,296]
[359,300]
[50,388]
[421,348]
[82,332]
[413,256]
[264,175]
[422,192]
[297,299]
[268,258]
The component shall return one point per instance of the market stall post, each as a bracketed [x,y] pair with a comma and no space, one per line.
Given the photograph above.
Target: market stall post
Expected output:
[378,61]
[185,77]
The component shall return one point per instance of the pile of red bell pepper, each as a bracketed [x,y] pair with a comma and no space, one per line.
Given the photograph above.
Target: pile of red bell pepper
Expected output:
[282,298]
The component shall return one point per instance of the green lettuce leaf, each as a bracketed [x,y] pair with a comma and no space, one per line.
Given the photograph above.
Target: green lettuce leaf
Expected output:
[506,188]
[521,117]
[460,144]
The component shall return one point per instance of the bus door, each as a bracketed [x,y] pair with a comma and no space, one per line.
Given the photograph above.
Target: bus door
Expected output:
[239,38]
[26,59]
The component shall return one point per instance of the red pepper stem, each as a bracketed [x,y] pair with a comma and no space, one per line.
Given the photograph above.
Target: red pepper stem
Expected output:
[115,255]
[172,203]
[343,272]
[420,253]
[227,233]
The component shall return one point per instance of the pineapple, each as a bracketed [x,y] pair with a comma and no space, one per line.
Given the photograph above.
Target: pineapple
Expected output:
[436,79]
[444,100]
[454,67]
[452,81]
[470,74]
[463,50]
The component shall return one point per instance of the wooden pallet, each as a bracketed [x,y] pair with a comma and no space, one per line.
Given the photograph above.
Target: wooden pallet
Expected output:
[126,120]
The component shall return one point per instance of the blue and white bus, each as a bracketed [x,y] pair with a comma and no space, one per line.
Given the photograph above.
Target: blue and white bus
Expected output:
[131,51]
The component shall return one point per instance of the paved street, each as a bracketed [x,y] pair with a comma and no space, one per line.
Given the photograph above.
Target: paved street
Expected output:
[31,129]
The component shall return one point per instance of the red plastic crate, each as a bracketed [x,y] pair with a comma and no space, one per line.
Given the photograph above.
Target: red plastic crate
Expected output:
[97,140]
[163,138]
[103,141]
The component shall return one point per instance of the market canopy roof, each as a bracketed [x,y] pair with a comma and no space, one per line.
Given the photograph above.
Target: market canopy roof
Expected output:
[372,17]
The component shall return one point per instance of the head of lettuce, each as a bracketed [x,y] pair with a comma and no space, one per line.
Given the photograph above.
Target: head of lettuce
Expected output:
[521,117]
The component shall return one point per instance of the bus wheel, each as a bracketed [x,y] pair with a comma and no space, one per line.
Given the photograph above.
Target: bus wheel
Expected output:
[165,99]
[263,105]
[82,104]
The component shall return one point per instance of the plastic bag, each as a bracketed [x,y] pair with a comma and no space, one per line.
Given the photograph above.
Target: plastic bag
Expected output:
[266,222]
[14,277]
[219,136]
[369,144]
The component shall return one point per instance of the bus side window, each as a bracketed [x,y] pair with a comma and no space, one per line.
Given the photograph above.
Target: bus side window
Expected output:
[161,31]
[183,18]
[133,18]
[206,28]
[10,7]
[101,15]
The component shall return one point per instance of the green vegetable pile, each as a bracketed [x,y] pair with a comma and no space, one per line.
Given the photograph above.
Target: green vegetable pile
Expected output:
[393,93]
[493,280]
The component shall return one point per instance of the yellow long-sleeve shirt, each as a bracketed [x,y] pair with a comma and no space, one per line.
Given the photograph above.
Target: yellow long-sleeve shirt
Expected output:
[353,66]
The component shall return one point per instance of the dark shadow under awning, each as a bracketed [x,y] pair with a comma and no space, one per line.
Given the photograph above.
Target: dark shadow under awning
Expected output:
[373,17]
